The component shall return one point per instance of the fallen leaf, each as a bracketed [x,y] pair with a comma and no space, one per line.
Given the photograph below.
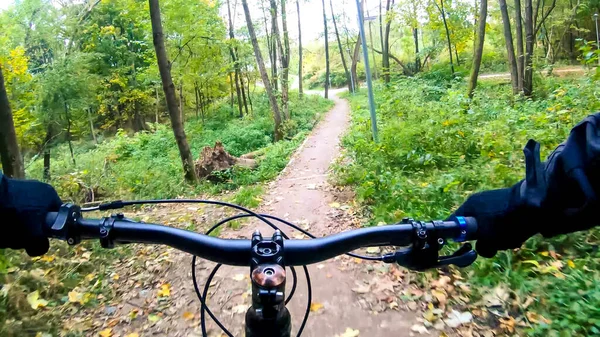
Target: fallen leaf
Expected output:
[238,277]
[35,301]
[456,318]
[335,205]
[153,318]
[419,328]
[315,306]
[393,305]
[440,296]
[311,186]
[165,290]
[349,333]
[383,284]
[240,309]
[105,332]
[133,334]
[76,297]
[373,250]
[48,258]
[188,316]
[320,266]
[362,289]
[115,277]
[571,264]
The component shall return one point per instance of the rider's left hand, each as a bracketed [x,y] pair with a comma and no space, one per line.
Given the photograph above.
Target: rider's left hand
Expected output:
[23,208]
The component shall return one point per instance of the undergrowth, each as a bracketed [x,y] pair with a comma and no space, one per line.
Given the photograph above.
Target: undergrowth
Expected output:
[147,164]
[436,147]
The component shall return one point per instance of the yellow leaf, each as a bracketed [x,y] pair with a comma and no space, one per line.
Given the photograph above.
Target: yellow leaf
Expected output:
[544,254]
[440,296]
[133,334]
[153,318]
[349,333]
[35,301]
[115,277]
[335,205]
[315,306]
[105,332]
[571,264]
[238,277]
[188,316]
[165,290]
[48,258]
[75,297]
[533,262]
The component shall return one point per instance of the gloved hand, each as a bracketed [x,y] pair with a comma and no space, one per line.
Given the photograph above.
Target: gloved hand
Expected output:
[555,198]
[507,217]
[23,208]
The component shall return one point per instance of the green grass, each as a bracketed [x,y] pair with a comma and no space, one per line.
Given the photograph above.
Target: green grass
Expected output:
[436,148]
[147,164]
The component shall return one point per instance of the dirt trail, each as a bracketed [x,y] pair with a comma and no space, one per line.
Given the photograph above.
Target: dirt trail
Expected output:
[301,194]
[560,71]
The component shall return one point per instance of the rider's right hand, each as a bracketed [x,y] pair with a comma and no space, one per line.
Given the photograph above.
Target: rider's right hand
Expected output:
[23,208]
[556,197]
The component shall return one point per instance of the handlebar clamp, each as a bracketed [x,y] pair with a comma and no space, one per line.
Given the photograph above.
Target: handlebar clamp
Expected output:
[106,240]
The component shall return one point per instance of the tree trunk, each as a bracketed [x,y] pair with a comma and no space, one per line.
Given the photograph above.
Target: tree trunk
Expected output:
[236,65]
[12,162]
[355,56]
[326,51]
[243,93]
[274,39]
[157,104]
[284,53]
[385,52]
[339,42]
[443,12]
[380,26]
[231,91]
[478,52]
[181,108]
[510,50]
[197,96]
[92,131]
[68,135]
[248,89]
[519,37]
[169,89]
[529,41]
[46,149]
[417,58]
[457,59]
[263,73]
[374,65]
[299,52]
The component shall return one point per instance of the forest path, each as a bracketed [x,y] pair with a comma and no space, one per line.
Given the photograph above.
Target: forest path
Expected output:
[560,71]
[346,292]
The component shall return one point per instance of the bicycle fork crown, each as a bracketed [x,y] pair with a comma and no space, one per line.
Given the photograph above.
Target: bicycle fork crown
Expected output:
[268,316]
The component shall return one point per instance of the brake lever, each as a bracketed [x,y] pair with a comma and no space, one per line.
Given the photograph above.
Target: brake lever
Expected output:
[428,258]
[424,252]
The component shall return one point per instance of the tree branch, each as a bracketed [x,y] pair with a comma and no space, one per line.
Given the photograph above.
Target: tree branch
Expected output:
[544,17]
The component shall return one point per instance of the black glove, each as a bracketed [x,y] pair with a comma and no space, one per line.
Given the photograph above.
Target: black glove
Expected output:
[555,198]
[23,208]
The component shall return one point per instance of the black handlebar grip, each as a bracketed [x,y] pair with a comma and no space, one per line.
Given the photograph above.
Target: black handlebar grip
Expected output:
[471,228]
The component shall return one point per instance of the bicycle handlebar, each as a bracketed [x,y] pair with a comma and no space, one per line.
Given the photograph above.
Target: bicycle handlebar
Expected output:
[71,226]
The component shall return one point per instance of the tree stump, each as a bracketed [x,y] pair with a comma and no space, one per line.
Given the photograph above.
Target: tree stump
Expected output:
[216,159]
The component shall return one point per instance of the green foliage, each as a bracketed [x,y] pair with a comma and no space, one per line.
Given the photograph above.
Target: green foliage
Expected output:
[248,196]
[436,148]
[147,164]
